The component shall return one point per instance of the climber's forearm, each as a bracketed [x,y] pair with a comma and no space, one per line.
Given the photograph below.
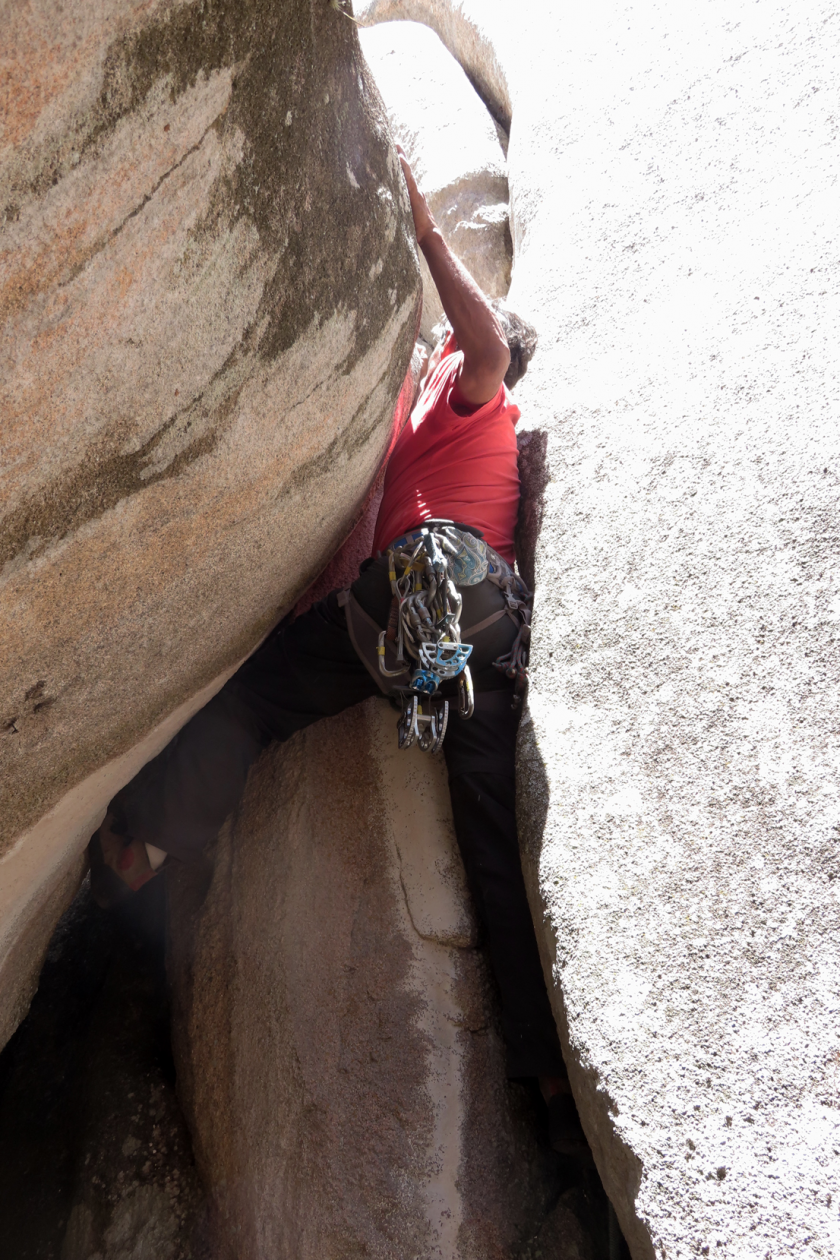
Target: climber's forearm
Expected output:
[476,328]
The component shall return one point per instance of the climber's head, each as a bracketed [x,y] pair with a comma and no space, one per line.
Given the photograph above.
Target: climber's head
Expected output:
[521,338]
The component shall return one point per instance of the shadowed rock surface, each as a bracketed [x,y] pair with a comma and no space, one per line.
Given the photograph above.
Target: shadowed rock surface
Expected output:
[208,300]
[674,243]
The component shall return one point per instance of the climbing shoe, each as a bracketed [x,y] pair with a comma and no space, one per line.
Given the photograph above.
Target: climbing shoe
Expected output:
[119,866]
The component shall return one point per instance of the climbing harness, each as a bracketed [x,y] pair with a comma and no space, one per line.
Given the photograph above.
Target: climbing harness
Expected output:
[426,567]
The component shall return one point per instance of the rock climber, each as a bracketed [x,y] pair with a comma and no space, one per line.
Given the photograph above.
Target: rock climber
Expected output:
[454,462]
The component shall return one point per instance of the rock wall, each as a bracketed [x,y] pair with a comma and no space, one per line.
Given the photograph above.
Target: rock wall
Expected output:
[334,1032]
[671,189]
[208,300]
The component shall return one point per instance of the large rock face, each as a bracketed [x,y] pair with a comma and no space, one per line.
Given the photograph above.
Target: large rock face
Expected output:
[674,243]
[208,301]
[333,1029]
[454,149]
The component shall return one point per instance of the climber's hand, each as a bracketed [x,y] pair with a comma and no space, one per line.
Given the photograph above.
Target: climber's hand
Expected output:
[423,221]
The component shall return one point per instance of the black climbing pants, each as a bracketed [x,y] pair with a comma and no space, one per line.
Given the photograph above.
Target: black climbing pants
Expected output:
[308,669]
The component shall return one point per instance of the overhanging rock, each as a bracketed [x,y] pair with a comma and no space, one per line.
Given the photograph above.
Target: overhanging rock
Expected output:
[674,242]
[209,299]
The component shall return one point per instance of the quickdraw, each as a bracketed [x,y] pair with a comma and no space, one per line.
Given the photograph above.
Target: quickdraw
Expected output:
[425,569]
[425,624]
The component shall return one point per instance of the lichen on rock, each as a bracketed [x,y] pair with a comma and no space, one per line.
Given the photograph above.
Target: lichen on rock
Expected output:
[209,296]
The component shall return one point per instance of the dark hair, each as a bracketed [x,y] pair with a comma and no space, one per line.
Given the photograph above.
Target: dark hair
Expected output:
[521,338]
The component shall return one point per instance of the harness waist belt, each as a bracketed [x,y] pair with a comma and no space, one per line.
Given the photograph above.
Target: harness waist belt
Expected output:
[432,559]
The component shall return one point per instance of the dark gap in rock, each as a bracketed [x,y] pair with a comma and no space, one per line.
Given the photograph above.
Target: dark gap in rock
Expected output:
[94,1153]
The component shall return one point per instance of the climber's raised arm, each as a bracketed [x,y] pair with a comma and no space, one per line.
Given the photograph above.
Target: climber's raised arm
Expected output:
[477,330]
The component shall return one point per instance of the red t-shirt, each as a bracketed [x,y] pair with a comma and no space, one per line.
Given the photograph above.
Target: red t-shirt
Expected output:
[454,468]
